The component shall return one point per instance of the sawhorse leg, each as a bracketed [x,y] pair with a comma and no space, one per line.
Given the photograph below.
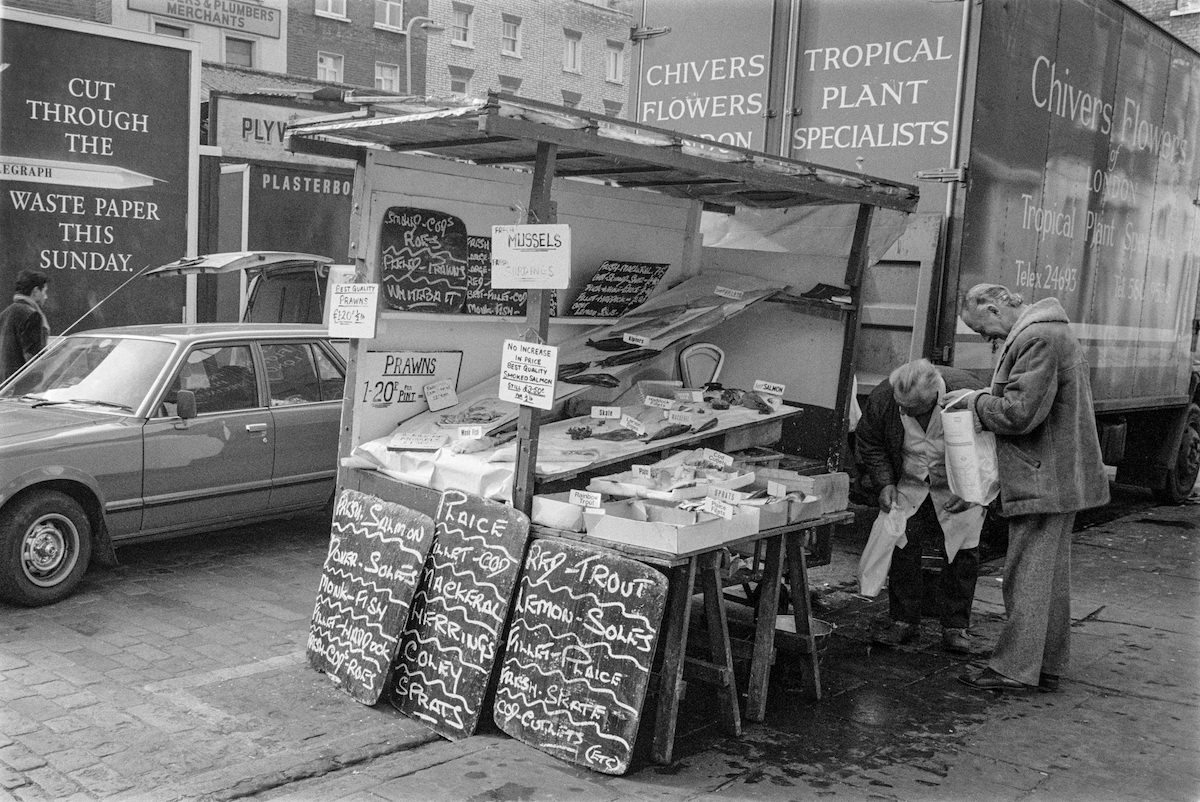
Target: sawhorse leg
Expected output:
[674,648]
[802,606]
[764,632]
[721,655]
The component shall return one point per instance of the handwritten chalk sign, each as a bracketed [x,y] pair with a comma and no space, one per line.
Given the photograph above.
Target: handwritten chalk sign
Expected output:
[482,297]
[423,260]
[617,287]
[449,648]
[376,553]
[578,653]
[352,310]
[527,372]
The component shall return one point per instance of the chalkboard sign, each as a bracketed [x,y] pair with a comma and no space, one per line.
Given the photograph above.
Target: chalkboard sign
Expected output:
[449,648]
[482,298]
[376,551]
[423,260]
[578,653]
[617,287]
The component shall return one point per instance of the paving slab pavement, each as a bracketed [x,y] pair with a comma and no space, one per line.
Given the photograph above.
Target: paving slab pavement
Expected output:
[181,675]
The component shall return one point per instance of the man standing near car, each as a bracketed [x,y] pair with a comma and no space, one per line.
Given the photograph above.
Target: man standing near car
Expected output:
[24,329]
[903,453]
[1048,453]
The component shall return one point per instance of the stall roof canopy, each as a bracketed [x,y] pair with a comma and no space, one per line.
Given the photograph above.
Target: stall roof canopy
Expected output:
[505,131]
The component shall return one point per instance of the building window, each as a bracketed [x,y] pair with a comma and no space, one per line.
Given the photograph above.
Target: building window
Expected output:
[166,29]
[460,80]
[572,44]
[387,77]
[510,36]
[460,27]
[510,84]
[239,52]
[329,67]
[614,63]
[331,8]
[571,99]
[612,108]
[389,14]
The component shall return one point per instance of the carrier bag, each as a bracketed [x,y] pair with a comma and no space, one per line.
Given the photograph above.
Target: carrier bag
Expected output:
[887,533]
[971,468]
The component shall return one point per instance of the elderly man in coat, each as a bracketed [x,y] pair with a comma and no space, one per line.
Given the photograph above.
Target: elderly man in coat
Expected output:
[1040,407]
[903,453]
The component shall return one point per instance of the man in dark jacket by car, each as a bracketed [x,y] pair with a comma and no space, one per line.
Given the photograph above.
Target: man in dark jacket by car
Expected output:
[903,455]
[1048,453]
[24,329]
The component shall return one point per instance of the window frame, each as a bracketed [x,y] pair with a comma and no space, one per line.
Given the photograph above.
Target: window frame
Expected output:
[390,4]
[617,75]
[570,53]
[185,28]
[468,29]
[225,40]
[341,68]
[328,12]
[515,21]
[396,76]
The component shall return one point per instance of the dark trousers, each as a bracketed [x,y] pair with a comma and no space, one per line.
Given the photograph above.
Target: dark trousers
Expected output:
[956,587]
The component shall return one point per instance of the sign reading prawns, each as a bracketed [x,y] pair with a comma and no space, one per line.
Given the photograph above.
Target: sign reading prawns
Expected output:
[97,164]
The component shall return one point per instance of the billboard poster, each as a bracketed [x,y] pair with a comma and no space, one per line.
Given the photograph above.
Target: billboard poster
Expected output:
[304,209]
[708,75]
[875,87]
[98,165]
[1081,185]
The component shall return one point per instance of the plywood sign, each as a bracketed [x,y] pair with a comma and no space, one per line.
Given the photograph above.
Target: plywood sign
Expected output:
[449,648]
[423,260]
[376,552]
[578,653]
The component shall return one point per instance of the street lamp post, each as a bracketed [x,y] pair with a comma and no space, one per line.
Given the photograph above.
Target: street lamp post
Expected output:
[426,24]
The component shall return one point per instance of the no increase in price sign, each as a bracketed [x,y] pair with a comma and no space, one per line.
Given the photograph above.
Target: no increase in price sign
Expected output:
[527,372]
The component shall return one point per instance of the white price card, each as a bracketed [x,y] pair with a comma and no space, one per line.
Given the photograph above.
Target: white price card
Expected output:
[470,432]
[584,498]
[642,470]
[531,257]
[352,310]
[655,402]
[731,294]
[717,459]
[606,413]
[416,442]
[527,373]
[776,489]
[636,339]
[770,388]
[633,424]
[718,508]
[674,416]
[440,395]
[724,494]
[689,395]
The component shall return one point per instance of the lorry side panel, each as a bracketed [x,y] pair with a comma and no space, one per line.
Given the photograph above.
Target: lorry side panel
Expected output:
[1080,183]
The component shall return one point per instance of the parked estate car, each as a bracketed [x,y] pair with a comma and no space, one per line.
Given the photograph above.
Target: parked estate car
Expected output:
[143,432]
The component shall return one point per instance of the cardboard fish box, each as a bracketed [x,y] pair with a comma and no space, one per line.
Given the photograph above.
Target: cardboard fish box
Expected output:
[664,527]
[553,509]
[833,488]
[628,483]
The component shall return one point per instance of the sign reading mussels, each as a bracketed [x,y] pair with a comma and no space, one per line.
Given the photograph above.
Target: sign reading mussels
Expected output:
[423,260]
[482,297]
[578,653]
[376,551]
[618,287]
[458,614]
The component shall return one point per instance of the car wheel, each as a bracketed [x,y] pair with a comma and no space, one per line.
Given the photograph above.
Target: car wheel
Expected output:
[1182,473]
[45,548]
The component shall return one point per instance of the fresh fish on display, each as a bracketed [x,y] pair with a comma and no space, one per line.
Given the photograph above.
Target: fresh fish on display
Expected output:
[611,344]
[755,401]
[597,379]
[670,430]
[704,427]
[616,435]
[628,357]
[571,368]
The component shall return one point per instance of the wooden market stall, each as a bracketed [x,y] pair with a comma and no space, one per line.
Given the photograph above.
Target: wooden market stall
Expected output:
[759,258]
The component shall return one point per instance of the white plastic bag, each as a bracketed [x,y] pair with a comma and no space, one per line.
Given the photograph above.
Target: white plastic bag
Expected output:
[887,533]
[971,468]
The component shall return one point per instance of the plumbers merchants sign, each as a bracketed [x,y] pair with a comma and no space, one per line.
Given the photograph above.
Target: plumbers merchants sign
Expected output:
[533,257]
[527,373]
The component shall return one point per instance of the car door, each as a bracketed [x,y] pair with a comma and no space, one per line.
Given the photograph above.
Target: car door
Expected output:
[305,384]
[215,467]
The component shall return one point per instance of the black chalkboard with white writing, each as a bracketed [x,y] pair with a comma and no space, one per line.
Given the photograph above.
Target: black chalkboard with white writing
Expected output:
[617,287]
[482,297]
[449,648]
[423,260]
[578,653]
[376,553]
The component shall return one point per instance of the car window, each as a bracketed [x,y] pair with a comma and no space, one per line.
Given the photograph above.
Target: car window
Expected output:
[291,375]
[222,377]
[332,379]
[112,371]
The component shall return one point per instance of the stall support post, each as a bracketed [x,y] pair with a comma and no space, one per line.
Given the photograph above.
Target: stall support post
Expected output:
[537,311]
[855,267]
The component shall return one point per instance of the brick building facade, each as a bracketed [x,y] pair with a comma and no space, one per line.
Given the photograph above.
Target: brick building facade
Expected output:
[1180,18]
